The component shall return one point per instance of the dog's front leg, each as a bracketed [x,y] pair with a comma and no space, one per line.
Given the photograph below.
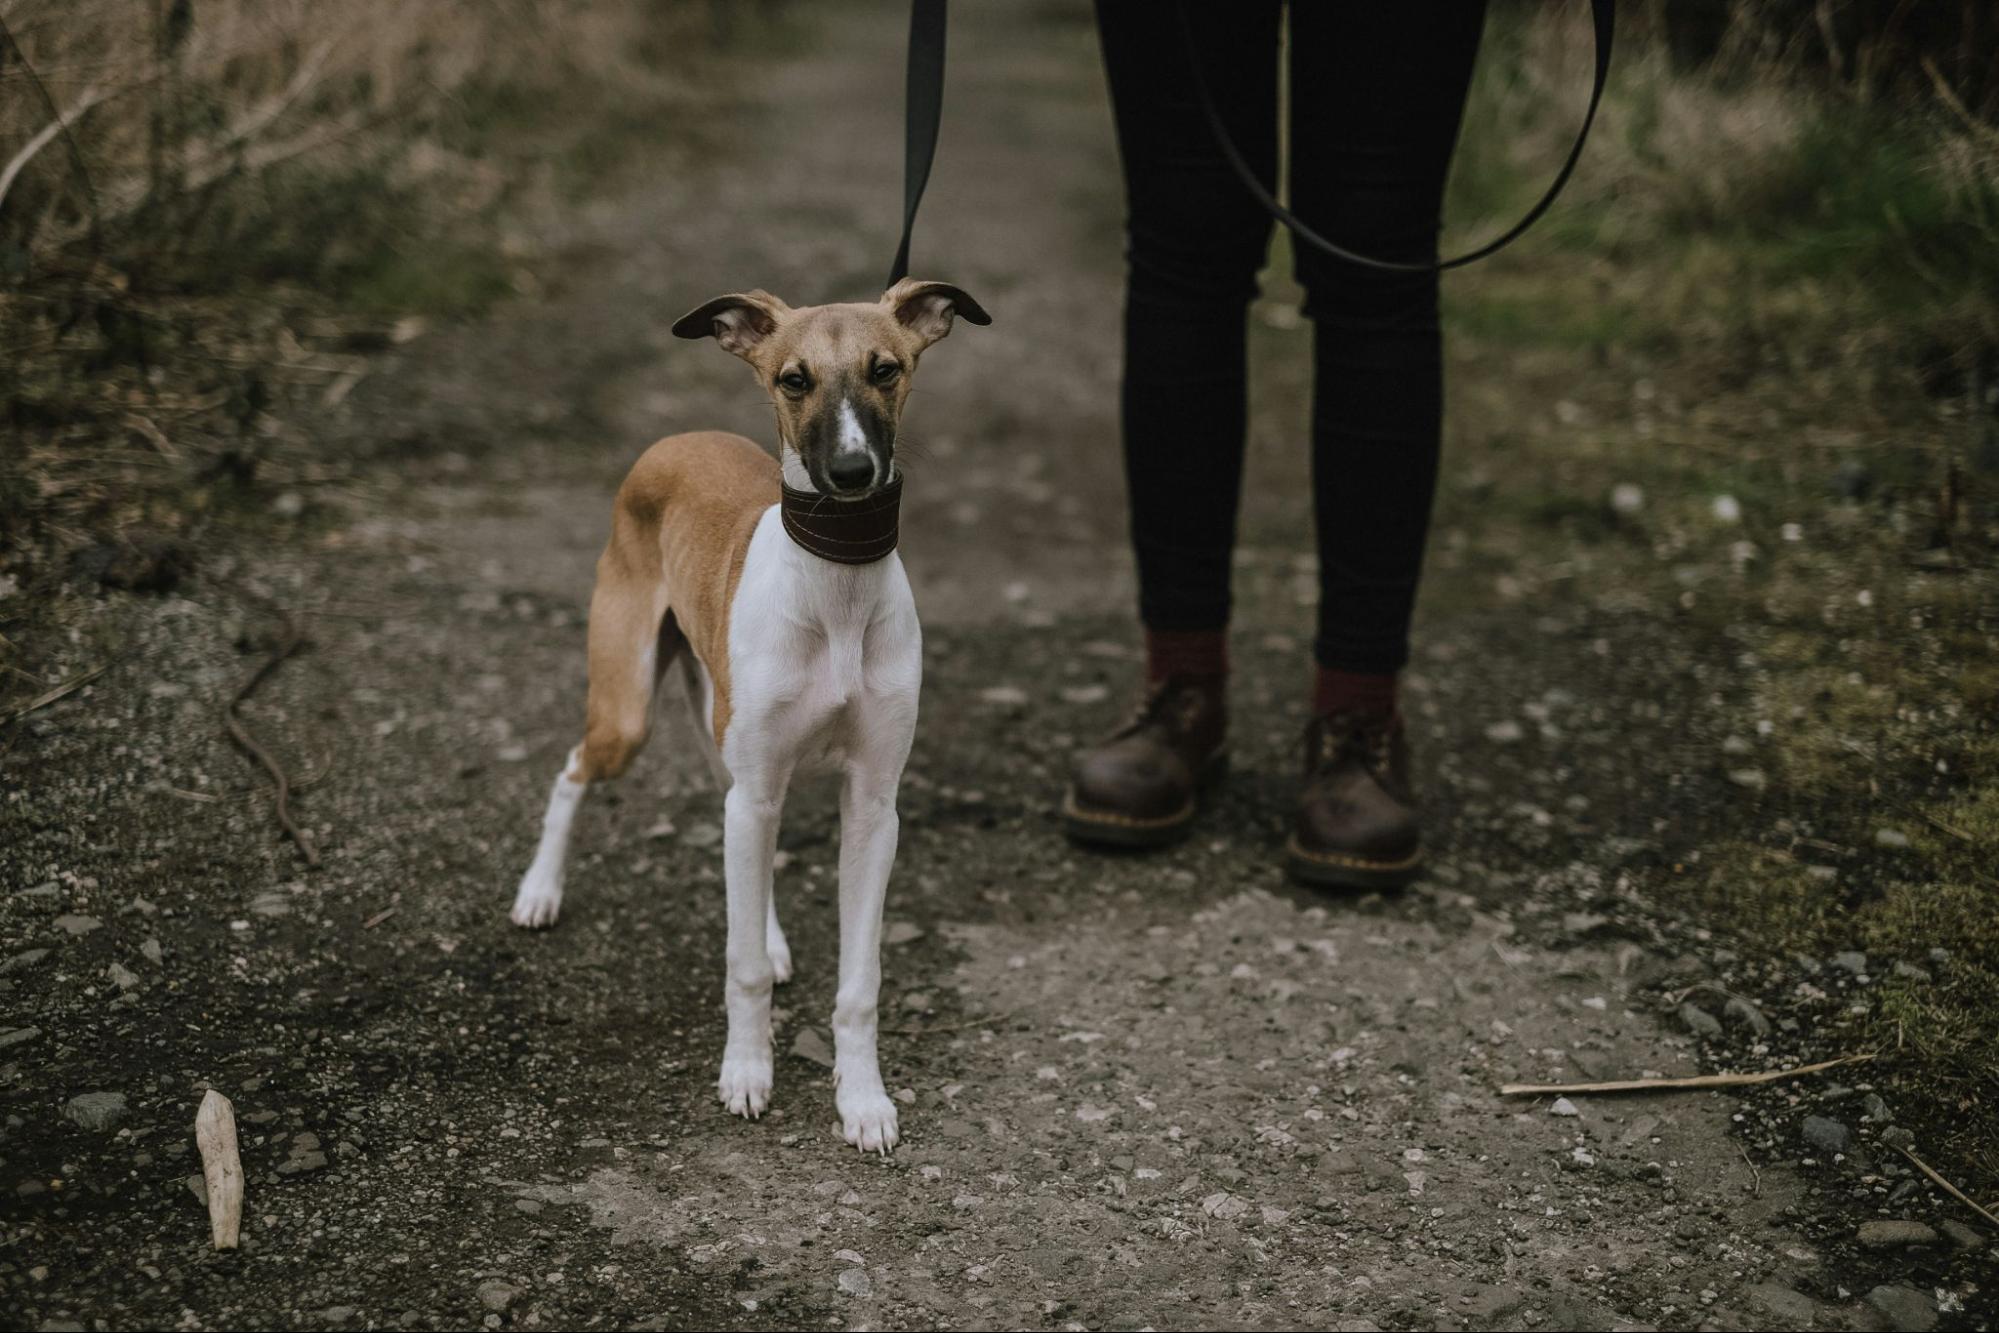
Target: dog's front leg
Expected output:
[868,828]
[750,815]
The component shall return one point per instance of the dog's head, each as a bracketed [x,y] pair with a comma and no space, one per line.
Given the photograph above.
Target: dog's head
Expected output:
[837,374]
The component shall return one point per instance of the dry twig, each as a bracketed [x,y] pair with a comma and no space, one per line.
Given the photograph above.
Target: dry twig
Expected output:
[221,1168]
[378,918]
[1673,1084]
[233,723]
[1949,1188]
[47,697]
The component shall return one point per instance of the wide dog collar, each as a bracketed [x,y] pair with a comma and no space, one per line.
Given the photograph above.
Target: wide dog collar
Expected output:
[847,532]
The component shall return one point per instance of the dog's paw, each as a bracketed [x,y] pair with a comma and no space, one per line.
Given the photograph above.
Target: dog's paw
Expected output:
[780,960]
[538,903]
[745,1085]
[868,1121]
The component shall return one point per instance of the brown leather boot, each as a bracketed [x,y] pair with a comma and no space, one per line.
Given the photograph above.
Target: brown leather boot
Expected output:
[1140,787]
[1356,819]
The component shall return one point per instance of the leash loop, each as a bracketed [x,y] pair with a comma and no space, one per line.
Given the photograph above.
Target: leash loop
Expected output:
[923,108]
[1603,17]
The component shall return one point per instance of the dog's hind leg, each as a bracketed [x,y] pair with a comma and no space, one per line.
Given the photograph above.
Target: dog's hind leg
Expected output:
[700,703]
[632,640]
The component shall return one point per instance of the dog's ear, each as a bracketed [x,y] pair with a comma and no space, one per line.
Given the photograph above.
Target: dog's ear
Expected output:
[738,321]
[927,308]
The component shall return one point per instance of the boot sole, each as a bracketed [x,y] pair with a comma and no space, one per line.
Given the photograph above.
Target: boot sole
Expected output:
[1344,870]
[1107,828]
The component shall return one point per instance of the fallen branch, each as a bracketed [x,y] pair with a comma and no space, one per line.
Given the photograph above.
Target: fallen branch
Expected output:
[221,1168]
[1949,1188]
[1671,1084]
[233,723]
[47,697]
[378,918]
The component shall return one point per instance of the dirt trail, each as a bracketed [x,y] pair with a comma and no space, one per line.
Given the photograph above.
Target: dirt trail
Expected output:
[1138,1093]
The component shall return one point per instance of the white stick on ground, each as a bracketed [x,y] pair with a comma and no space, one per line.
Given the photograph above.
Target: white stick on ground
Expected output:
[221,1167]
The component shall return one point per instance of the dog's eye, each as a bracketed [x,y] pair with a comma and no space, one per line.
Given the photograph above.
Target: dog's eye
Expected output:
[793,381]
[886,372]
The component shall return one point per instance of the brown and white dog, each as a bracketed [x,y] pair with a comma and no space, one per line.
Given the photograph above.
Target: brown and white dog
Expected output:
[776,584]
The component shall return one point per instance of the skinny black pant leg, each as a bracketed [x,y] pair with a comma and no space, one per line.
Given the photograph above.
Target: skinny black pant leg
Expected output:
[1195,241]
[1377,93]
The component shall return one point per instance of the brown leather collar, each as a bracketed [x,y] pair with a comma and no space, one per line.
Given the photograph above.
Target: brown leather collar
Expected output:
[847,532]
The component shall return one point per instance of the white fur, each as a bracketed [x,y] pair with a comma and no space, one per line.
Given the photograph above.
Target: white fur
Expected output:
[825,663]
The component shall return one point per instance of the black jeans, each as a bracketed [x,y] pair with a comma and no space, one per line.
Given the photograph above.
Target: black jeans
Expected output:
[1377,91]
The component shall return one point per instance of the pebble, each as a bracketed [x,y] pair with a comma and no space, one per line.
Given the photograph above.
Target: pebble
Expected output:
[1898,1234]
[151,950]
[496,1295]
[1890,837]
[810,1045]
[1896,1137]
[856,1282]
[1828,1136]
[1505,733]
[1910,972]
[1907,1310]
[1627,498]
[122,976]
[15,1036]
[96,1111]
[26,958]
[1563,1106]
[1852,961]
[1727,509]
[1699,1021]
[1962,1236]
[1745,1013]
[73,924]
[1873,1110]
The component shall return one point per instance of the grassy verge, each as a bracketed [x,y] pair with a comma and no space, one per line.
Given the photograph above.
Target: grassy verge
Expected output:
[1751,387]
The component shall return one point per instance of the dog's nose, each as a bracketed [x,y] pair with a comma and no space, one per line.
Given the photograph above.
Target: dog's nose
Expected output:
[850,472]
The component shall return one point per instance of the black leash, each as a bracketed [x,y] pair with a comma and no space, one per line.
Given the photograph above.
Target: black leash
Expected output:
[1603,16]
[923,108]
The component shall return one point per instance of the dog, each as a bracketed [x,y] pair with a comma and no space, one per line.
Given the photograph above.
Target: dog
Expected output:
[776,584]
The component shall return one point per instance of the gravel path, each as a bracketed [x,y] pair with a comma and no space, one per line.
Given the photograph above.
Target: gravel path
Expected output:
[1137,1093]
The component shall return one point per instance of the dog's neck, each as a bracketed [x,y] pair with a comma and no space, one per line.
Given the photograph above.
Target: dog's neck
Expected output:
[847,532]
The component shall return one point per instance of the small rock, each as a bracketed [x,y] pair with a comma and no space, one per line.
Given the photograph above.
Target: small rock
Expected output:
[1873,1110]
[1224,1206]
[1910,972]
[25,959]
[1006,696]
[1505,733]
[856,1282]
[902,932]
[810,1045]
[1699,1021]
[1899,1234]
[496,1295]
[702,835]
[1828,1136]
[1907,1310]
[96,1111]
[122,976]
[1750,779]
[1896,1137]
[77,925]
[15,1036]
[1892,838]
[1962,1236]
[1727,509]
[1626,498]
[1563,1106]
[1744,1013]
[1852,961]
[151,950]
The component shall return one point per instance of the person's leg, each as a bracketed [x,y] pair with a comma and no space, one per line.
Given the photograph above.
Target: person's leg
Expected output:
[1195,242]
[1377,95]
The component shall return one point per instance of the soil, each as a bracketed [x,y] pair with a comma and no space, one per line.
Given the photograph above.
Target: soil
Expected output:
[1160,1091]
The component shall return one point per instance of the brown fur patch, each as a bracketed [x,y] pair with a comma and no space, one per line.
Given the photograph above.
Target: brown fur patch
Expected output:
[680,531]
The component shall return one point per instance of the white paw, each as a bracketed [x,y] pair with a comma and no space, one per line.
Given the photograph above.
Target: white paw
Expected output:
[780,959]
[745,1084]
[538,903]
[868,1120]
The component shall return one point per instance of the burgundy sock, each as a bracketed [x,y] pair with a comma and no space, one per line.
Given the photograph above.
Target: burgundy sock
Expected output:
[1199,652]
[1352,692]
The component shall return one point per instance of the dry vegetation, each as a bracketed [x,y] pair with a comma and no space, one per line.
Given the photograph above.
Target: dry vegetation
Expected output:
[212,210]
